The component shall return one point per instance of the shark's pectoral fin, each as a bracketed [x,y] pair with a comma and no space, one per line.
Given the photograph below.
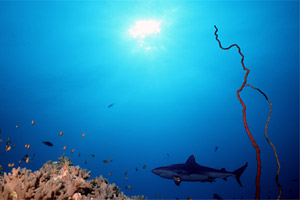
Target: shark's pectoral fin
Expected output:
[177,180]
[211,179]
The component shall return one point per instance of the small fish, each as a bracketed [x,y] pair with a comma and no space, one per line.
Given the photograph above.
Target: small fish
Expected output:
[126,172]
[17,126]
[11,165]
[129,187]
[216,148]
[105,161]
[83,134]
[27,160]
[79,154]
[92,155]
[126,187]
[20,162]
[47,143]
[72,151]
[126,178]
[110,105]
[85,162]
[33,156]
[28,146]
[189,198]
[136,169]
[8,141]
[32,122]
[1,140]
[145,166]
[65,167]
[109,174]
[7,148]
[14,145]
[111,159]
[60,133]
[25,157]
[64,148]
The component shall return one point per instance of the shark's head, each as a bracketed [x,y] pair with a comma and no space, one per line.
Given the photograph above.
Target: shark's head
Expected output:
[165,172]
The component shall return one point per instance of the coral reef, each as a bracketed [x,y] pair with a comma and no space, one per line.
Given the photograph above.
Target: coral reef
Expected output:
[57,180]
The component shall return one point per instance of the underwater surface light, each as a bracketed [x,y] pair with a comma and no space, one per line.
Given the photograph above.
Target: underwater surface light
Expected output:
[142,28]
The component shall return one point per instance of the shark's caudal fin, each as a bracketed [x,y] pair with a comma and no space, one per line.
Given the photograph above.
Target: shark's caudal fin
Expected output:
[239,172]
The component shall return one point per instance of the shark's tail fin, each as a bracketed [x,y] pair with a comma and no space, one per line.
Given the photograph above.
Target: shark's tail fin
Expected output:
[239,172]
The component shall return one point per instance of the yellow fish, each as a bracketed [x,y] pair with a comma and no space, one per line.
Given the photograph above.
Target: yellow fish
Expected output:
[11,165]
[8,148]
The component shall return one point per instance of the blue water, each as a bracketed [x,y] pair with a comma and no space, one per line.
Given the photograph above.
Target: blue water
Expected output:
[63,63]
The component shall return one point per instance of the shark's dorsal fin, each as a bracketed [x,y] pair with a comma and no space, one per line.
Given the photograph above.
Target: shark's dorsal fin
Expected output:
[191,160]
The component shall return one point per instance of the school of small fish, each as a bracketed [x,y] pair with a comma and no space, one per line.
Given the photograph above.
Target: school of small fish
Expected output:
[26,158]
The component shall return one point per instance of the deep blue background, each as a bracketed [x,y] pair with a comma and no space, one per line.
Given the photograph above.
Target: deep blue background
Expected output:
[63,63]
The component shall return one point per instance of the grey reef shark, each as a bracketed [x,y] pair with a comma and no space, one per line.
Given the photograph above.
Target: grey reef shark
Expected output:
[192,171]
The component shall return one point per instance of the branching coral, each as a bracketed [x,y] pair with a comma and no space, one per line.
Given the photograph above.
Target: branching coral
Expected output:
[57,180]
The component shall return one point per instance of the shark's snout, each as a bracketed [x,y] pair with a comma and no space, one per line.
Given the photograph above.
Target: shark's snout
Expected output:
[155,171]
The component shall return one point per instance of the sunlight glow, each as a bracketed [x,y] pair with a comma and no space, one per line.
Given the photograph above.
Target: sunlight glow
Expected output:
[143,28]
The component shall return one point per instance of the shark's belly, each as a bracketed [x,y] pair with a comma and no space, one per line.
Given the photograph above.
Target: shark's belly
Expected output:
[194,177]
[207,177]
